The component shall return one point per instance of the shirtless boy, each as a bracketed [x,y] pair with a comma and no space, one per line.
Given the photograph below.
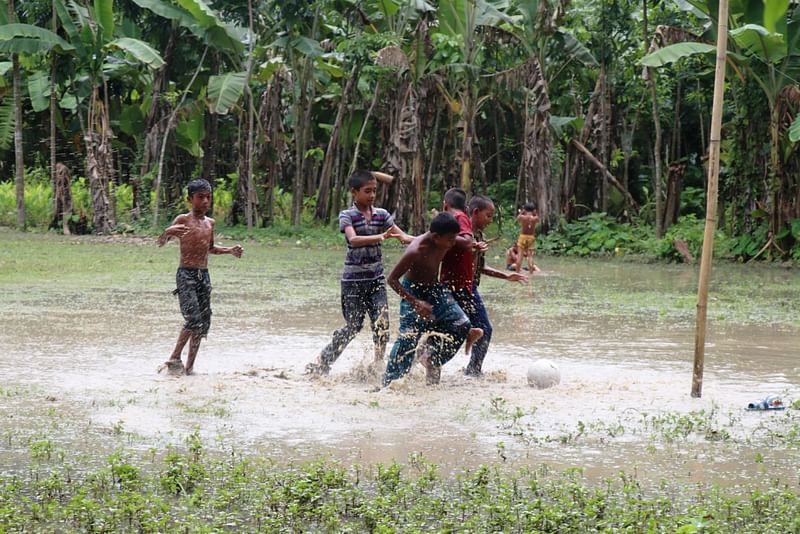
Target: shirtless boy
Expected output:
[196,234]
[427,306]
[527,218]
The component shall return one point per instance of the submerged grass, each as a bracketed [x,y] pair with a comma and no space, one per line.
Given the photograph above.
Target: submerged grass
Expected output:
[188,490]
[300,271]
[46,487]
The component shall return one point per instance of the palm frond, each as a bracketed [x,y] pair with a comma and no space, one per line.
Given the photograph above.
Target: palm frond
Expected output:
[6,124]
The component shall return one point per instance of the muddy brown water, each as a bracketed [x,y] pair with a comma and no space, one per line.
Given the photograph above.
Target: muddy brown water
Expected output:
[622,361]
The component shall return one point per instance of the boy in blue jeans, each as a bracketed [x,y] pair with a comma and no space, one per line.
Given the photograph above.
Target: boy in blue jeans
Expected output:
[481,212]
[428,306]
[363,283]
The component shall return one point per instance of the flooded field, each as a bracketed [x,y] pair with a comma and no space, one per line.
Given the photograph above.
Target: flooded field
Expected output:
[86,323]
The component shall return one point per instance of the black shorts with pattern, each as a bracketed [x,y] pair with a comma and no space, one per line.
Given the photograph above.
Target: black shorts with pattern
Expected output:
[194,294]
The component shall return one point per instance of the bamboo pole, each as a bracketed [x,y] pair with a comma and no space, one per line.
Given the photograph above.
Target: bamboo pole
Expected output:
[711,200]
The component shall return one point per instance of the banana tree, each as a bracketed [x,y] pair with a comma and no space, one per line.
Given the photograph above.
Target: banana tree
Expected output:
[463,20]
[28,40]
[537,32]
[405,72]
[222,91]
[765,37]
[97,56]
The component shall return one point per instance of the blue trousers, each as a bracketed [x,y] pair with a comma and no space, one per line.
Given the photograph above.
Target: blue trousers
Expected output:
[448,325]
[472,304]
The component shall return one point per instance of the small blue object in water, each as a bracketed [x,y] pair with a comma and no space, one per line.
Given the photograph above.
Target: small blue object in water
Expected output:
[772,402]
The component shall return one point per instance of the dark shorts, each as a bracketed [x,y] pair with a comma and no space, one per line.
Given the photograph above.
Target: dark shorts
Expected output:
[194,294]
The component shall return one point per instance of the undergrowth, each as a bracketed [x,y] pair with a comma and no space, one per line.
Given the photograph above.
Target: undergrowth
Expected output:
[188,490]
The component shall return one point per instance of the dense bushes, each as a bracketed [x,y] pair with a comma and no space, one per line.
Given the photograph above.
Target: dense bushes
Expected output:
[601,235]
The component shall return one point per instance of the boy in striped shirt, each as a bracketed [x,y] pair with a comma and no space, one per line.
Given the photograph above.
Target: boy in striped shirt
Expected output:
[363,281]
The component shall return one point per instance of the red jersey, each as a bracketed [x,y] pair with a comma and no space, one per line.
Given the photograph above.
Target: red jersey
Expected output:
[458,266]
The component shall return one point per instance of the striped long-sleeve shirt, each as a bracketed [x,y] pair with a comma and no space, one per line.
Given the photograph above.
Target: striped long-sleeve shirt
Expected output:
[364,263]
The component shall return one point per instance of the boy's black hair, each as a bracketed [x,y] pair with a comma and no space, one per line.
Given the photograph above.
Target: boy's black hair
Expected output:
[529,206]
[444,223]
[197,186]
[358,179]
[456,197]
[479,202]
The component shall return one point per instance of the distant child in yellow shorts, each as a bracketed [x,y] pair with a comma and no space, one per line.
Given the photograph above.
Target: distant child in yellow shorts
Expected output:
[527,218]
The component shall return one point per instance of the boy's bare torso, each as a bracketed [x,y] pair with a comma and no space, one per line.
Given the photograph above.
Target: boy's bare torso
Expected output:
[425,260]
[527,223]
[197,241]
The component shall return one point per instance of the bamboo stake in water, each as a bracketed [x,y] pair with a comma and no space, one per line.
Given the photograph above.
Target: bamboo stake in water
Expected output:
[711,201]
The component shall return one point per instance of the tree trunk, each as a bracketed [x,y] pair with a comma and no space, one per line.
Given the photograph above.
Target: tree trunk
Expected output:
[610,177]
[570,184]
[62,198]
[322,211]
[537,144]
[354,163]
[211,142]
[274,146]
[775,173]
[300,69]
[434,147]
[167,130]
[466,139]
[19,155]
[656,155]
[98,141]
[251,204]
[64,215]
[650,74]
[604,142]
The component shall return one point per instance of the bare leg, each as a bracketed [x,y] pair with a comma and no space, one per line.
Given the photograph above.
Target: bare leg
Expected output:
[183,337]
[194,346]
[474,335]
[380,351]
[532,268]
[433,372]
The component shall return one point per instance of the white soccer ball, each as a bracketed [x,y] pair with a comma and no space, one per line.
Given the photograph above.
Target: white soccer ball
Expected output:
[543,374]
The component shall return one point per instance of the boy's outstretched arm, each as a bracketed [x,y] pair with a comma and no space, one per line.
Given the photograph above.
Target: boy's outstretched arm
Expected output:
[177,229]
[401,236]
[235,250]
[423,309]
[510,277]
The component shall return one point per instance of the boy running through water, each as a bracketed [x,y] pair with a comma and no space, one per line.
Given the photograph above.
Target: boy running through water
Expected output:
[527,218]
[363,284]
[481,211]
[428,306]
[458,265]
[196,234]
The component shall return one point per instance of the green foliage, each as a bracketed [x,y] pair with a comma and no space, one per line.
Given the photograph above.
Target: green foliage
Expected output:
[594,234]
[598,234]
[39,199]
[188,491]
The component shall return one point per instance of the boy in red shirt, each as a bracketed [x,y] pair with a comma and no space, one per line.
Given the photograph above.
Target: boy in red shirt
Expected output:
[458,265]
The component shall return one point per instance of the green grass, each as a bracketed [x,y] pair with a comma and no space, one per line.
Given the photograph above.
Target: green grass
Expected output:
[190,490]
[291,269]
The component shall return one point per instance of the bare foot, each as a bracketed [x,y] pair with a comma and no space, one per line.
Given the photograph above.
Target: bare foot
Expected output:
[173,367]
[474,335]
[433,374]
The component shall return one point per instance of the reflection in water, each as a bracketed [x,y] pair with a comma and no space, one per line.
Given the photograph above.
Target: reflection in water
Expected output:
[622,364]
